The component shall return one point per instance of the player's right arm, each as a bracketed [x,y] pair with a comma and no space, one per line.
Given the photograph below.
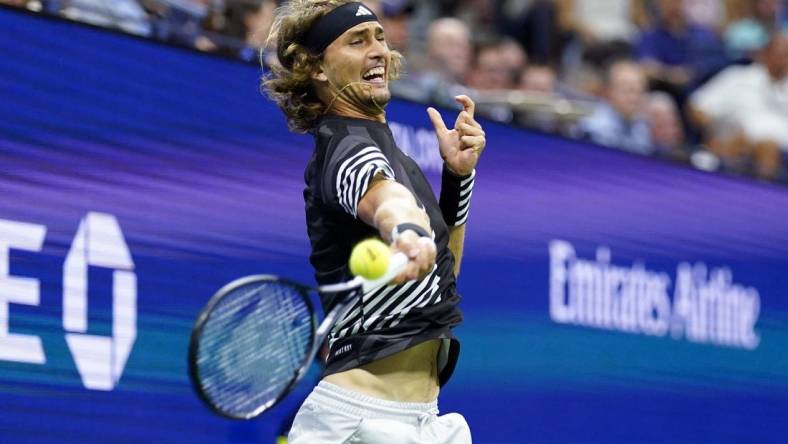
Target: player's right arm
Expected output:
[358,180]
[387,204]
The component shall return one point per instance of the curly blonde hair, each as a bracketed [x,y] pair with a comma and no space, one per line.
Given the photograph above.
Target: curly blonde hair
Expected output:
[290,85]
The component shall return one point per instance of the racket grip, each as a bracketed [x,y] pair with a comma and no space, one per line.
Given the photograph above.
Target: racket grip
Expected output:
[397,263]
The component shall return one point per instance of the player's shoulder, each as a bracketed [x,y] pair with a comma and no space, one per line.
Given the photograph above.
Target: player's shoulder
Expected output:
[338,142]
[338,129]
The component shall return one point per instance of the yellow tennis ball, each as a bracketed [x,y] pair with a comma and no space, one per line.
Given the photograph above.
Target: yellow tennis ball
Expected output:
[370,259]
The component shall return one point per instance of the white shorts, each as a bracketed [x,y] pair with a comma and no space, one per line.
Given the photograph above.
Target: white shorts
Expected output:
[333,415]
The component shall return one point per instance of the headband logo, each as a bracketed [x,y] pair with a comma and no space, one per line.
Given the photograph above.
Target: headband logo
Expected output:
[363,11]
[329,27]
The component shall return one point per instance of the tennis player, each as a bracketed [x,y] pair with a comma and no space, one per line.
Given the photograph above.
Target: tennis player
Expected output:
[391,354]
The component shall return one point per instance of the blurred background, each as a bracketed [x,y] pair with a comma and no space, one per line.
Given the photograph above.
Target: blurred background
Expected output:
[624,278]
[654,77]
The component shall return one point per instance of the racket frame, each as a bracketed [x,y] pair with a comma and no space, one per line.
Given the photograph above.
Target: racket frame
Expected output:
[205,313]
[355,287]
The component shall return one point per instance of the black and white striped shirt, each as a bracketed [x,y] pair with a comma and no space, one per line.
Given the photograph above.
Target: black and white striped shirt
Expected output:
[349,153]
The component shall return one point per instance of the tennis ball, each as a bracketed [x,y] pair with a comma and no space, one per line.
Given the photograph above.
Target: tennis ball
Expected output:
[370,259]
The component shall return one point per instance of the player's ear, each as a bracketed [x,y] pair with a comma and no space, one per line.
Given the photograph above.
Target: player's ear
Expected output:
[319,75]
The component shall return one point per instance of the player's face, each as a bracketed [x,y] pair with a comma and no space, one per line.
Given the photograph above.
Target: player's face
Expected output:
[357,63]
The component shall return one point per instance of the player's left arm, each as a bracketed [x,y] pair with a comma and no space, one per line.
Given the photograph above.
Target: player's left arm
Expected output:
[456,245]
[460,149]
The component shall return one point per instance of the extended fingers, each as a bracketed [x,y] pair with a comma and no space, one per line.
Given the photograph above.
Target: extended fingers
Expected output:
[437,120]
[475,142]
[467,104]
[470,130]
[466,117]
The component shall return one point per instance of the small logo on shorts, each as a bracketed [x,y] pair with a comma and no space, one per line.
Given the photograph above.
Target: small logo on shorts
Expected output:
[363,11]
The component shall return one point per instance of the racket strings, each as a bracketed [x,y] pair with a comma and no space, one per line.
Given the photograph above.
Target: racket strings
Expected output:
[252,345]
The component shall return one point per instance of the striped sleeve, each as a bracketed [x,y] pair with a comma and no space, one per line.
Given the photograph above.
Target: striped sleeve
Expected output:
[455,198]
[350,172]
[466,190]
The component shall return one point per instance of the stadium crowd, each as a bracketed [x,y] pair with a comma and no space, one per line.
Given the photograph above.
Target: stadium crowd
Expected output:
[698,81]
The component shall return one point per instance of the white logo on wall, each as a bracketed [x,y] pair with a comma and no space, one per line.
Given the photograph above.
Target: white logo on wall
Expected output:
[99,242]
[707,306]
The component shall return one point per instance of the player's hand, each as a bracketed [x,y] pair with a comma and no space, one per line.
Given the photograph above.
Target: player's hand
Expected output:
[421,252]
[462,145]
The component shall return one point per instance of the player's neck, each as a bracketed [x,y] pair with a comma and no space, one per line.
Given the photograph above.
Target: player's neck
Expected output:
[346,110]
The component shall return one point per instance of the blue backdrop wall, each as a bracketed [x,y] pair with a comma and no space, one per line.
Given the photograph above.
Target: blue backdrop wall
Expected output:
[608,298]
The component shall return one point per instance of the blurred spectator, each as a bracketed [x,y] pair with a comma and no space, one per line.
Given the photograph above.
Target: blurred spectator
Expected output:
[241,31]
[600,20]
[617,120]
[710,14]
[597,32]
[746,36]
[667,131]
[449,49]
[395,20]
[584,81]
[743,111]
[555,54]
[258,23]
[514,58]
[677,54]
[124,15]
[539,79]
[535,25]
[479,15]
[181,21]
[375,6]
[489,69]
[442,74]
[30,5]
[490,72]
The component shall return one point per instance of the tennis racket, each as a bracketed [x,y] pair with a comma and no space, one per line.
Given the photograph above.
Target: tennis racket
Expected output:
[258,335]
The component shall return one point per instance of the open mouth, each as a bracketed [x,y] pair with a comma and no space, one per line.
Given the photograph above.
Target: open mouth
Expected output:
[376,75]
